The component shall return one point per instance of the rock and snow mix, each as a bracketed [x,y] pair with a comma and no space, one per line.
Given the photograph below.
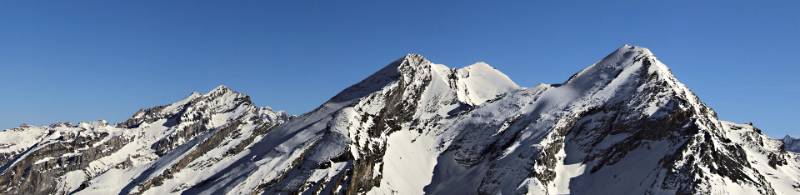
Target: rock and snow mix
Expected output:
[624,125]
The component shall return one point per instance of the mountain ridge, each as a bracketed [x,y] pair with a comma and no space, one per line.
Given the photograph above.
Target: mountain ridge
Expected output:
[623,125]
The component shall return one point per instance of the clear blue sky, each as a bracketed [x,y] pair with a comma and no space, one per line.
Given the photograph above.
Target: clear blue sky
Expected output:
[89,60]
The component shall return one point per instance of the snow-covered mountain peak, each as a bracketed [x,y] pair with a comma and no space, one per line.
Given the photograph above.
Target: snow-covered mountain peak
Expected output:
[219,100]
[414,57]
[612,65]
[630,47]
[377,81]
[472,85]
[480,82]
[205,129]
[223,94]
[624,125]
[220,89]
[412,64]
[629,67]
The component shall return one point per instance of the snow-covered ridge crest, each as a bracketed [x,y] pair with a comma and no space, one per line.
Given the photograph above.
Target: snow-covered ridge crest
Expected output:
[94,157]
[219,100]
[474,84]
[351,132]
[623,125]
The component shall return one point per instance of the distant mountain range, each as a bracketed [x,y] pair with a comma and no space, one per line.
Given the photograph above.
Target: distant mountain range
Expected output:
[624,125]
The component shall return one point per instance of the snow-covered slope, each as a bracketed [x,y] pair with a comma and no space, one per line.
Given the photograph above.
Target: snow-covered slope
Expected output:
[624,125]
[158,149]
[480,82]
[342,145]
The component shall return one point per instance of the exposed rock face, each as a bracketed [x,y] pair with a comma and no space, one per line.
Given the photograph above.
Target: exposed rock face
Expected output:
[624,125]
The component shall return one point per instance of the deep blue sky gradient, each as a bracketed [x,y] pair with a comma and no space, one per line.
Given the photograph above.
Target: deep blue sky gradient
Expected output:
[89,60]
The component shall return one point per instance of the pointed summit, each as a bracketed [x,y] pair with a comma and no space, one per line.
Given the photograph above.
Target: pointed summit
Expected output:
[222,93]
[636,49]
[220,99]
[624,61]
[221,89]
[411,63]
[472,85]
[405,66]
[413,58]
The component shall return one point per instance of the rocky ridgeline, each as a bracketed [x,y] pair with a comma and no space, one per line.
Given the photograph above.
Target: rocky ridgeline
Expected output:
[624,125]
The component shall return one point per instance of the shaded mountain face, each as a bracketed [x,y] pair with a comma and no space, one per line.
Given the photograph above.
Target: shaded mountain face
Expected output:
[791,144]
[624,125]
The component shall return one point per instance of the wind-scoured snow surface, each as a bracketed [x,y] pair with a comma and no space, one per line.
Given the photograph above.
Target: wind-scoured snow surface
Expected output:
[624,125]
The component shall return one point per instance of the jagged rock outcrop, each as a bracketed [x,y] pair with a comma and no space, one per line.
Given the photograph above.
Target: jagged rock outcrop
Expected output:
[624,125]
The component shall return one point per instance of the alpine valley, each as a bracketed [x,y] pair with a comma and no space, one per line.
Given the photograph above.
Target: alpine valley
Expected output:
[624,125]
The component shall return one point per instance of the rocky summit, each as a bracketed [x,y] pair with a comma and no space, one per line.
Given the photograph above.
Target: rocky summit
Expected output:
[624,125]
